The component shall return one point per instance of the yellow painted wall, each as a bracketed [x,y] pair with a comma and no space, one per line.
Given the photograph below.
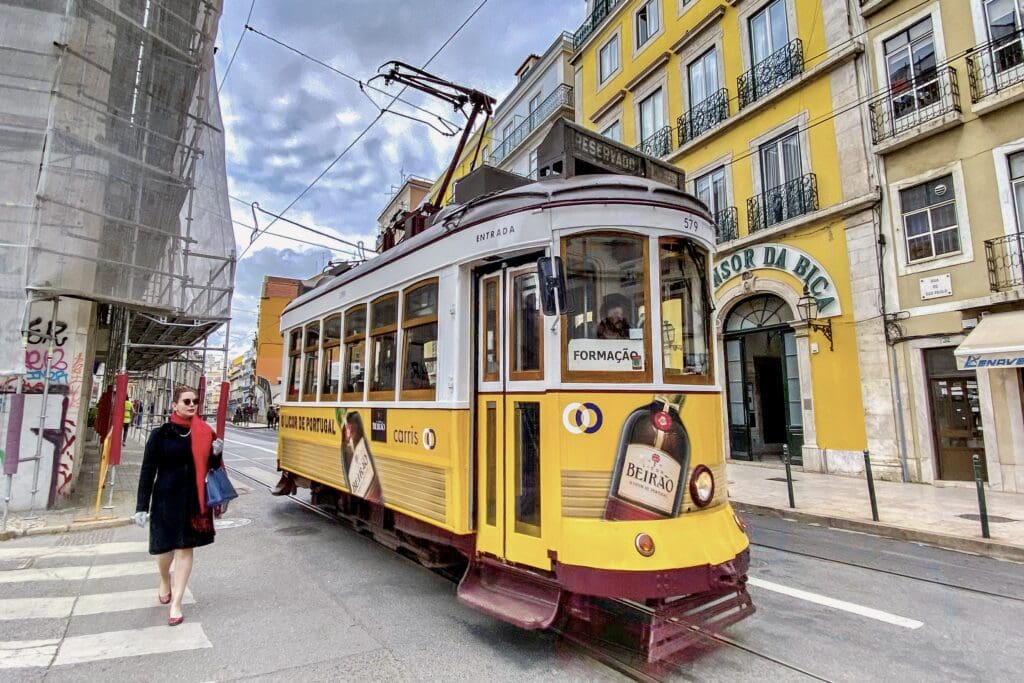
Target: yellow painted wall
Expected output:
[835,375]
[269,341]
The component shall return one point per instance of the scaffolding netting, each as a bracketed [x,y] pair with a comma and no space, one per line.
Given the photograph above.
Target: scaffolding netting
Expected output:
[112,173]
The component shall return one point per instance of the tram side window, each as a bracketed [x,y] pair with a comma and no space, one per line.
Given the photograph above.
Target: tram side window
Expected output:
[331,368]
[527,352]
[353,378]
[419,319]
[294,361]
[607,279]
[685,335]
[311,348]
[383,346]
[492,332]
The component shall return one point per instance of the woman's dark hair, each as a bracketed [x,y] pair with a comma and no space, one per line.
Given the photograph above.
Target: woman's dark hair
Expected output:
[179,390]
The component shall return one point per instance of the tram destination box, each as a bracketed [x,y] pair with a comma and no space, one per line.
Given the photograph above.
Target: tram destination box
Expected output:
[569,150]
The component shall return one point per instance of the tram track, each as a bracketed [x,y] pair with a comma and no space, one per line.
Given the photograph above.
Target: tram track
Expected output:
[627,663]
[889,572]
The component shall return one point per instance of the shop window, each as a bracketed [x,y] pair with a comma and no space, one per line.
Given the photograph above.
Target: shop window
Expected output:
[607,328]
[331,366]
[354,370]
[685,304]
[310,352]
[383,347]
[930,220]
[294,363]
[419,321]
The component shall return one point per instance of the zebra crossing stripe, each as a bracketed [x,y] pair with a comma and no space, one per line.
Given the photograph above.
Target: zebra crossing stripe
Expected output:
[77,573]
[143,641]
[27,552]
[95,603]
[17,654]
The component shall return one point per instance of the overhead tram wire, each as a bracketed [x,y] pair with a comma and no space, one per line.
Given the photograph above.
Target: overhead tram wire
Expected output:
[365,130]
[350,77]
[224,78]
[329,247]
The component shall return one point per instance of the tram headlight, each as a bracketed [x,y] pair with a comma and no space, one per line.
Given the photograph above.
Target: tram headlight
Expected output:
[702,486]
[644,545]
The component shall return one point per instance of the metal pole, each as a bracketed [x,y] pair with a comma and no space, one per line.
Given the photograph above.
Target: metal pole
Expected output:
[982,508]
[789,474]
[871,485]
[38,457]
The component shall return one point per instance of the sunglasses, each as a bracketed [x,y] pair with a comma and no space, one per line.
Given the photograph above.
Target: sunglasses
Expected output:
[190,401]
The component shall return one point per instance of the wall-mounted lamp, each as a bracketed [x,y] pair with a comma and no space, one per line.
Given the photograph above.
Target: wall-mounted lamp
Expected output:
[668,333]
[808,306]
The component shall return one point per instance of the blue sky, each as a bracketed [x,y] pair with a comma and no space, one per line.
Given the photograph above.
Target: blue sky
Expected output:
[286,118]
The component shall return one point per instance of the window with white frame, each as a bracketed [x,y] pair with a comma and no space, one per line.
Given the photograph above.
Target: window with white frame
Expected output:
[929,219]
[1003,21]
[910,64]
[614,131]
[648,22]
[652,114]
[710,189]
[533,165]
[769,31]
[702,77]
[1016,163]
[534,103]
[608,59]
[506,132]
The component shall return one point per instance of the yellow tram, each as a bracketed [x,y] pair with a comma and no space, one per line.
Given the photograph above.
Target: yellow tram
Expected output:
[530,384]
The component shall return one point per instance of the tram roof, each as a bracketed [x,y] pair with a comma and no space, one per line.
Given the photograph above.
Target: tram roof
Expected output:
[583,189]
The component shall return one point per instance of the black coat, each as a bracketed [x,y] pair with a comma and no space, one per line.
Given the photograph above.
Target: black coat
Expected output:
[167,490]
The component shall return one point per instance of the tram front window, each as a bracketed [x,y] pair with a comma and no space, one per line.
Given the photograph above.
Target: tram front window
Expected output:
[684,311]
[607,328]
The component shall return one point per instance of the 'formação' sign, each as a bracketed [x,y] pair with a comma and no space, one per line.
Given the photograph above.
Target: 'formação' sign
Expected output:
[783,257]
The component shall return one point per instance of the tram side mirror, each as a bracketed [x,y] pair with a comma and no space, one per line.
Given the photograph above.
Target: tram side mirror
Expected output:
[552,284]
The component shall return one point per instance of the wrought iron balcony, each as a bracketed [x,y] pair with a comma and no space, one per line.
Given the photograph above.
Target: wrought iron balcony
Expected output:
[773,72]
[701,118]
[908,105]
[996,66]
[559,97]
[1005,259]
[726,225]
[658,144]
[601,10]
[778,204]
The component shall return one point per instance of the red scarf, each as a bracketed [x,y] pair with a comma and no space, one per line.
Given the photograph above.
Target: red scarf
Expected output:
[202,441]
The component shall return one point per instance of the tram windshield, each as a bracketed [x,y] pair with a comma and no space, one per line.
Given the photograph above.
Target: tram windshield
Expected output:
[607,327]
[685,335]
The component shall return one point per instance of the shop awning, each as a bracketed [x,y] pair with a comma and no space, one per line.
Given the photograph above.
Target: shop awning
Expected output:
[997,342]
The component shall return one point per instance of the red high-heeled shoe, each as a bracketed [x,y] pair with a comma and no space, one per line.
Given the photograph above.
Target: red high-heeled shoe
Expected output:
[174,621]
[164,599]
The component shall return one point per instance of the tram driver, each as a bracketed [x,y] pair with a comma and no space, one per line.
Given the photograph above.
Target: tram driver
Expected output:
[614,324]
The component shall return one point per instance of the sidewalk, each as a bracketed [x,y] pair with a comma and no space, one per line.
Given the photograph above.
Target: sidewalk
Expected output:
[79,513]
[943,516]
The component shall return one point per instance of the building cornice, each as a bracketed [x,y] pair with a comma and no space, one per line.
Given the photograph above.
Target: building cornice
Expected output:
[712,18]
[607,106]
[658,62]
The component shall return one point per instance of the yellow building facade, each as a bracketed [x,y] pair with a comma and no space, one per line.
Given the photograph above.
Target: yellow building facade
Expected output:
[757,101]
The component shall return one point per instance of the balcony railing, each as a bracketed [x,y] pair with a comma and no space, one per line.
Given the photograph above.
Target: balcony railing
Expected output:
[1005,258]
[657,144]
[559,97]
[601,10]
[781,203]
[906,106]
[773,72]
[996,65]
[726,225]
[701,118]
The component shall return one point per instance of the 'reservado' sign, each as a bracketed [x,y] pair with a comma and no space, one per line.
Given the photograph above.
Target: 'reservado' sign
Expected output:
[784,257]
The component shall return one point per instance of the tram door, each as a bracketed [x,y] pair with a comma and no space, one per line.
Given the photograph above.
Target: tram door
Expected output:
[510,365]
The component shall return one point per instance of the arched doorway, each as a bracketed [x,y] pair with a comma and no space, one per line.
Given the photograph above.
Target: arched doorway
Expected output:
[762,380]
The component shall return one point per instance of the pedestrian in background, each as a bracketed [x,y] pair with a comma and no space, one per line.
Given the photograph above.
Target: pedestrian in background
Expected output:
[171,496]
[127,422]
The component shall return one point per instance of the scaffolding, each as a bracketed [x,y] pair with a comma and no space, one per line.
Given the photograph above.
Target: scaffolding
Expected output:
[112,176]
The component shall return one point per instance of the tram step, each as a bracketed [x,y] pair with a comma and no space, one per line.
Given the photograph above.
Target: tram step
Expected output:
[510,595]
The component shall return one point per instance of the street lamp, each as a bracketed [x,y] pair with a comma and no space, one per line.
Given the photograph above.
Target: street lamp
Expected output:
[808,307]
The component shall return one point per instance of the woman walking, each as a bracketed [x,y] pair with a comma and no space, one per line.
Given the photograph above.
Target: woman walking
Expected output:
[171,495]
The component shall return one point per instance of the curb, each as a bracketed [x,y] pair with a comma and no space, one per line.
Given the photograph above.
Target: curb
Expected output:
[65,528]
[987,548]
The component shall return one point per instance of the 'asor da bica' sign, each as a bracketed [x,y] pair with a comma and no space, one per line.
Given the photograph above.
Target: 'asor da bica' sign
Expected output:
[796,262]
